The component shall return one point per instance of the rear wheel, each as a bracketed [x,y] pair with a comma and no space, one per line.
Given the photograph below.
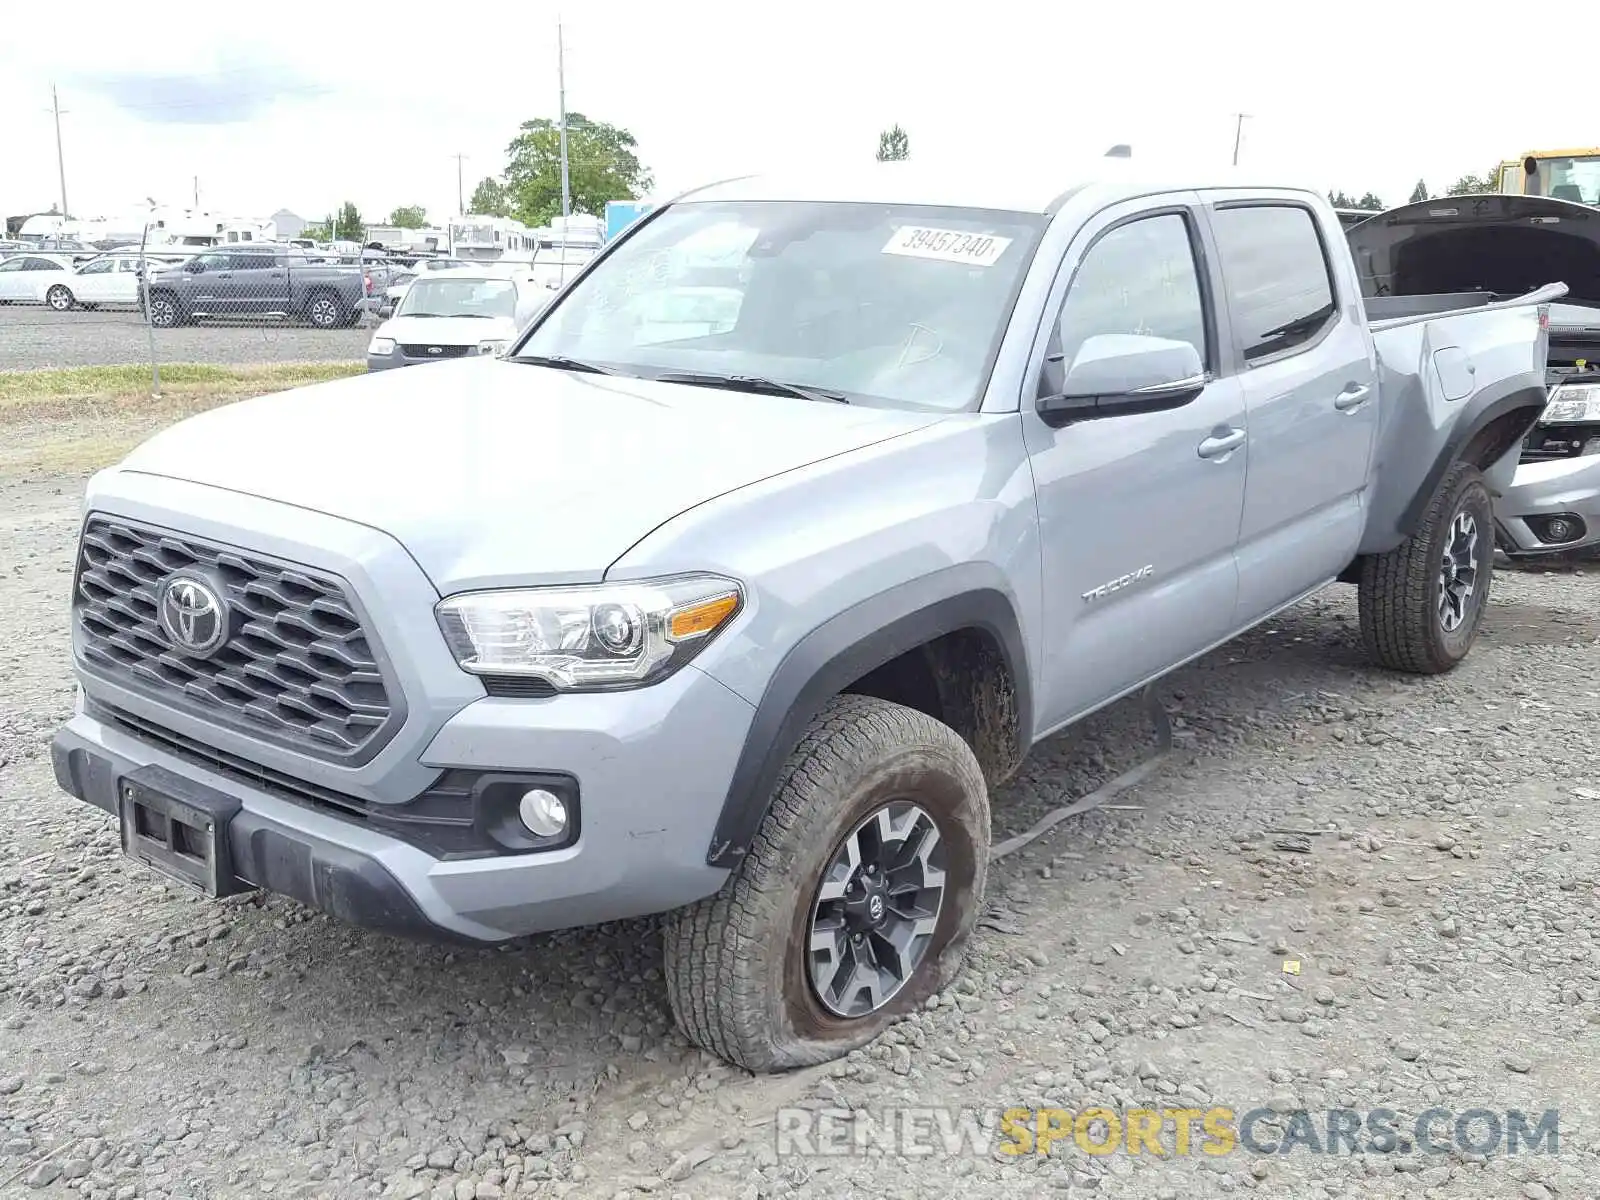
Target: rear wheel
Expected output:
[1422,603]
[855,901]
[323,311]
[59,297]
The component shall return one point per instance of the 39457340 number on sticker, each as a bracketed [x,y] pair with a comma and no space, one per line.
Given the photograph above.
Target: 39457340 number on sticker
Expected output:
[949,245]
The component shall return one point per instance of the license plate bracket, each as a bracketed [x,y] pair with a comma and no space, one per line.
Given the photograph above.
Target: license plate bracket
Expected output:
[179,828]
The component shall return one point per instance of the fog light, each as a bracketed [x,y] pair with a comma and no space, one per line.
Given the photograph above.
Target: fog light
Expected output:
[542,812]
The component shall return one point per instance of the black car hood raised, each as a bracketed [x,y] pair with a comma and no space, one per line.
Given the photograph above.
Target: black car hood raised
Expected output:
[1508,245]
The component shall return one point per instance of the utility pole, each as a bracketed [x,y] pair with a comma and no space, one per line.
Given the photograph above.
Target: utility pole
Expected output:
[1238,132]
[461,204]
[61,165]
[197,193]
[561,83]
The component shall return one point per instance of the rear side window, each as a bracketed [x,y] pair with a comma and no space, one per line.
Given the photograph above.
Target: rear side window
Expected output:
[1276,274]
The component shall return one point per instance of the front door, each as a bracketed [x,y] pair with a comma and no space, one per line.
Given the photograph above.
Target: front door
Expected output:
[1139,513]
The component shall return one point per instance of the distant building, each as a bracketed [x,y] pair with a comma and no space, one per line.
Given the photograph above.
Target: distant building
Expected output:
[288,225]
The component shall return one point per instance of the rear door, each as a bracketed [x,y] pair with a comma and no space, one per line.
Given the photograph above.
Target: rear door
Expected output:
[259,283]
[93,283]
[1310,386]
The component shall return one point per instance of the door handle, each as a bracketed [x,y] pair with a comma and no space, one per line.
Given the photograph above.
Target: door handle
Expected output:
[224,274]
[1219,445]
[1352,397]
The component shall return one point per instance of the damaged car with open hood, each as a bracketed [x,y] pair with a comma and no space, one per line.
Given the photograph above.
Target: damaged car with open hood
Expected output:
[1461,250]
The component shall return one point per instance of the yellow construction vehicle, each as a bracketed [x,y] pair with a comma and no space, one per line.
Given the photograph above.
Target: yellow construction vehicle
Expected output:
[1559,174]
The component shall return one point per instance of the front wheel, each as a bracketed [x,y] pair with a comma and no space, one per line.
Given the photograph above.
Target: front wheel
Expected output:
[855,901]
[165,311]
[59,297]
[1423,602]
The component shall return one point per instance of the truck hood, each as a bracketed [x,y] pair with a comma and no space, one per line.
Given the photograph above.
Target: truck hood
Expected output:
[447,331]
[1508,245]
[493,473]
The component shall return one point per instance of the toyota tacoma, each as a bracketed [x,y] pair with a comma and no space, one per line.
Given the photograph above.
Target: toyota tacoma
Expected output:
[765,553]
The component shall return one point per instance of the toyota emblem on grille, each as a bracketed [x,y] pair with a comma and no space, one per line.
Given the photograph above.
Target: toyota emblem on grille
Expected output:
[435,349]
[193,615]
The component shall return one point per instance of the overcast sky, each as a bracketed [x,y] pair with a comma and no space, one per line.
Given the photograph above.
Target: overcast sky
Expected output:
[316,109]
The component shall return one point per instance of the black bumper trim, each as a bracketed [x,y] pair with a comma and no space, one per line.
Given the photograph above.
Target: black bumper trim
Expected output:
[348,885]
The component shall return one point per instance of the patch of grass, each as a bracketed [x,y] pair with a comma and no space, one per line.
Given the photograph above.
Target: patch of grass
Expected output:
[126,391]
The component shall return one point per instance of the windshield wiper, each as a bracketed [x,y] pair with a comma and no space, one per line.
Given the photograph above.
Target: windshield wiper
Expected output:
[753,383]
[562,363]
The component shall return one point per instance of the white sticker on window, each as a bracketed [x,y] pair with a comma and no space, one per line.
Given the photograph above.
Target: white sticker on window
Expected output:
[949,245]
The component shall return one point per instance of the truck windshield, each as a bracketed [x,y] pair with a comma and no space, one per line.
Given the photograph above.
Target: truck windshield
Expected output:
[458,298]
[899,304]
[1574,179]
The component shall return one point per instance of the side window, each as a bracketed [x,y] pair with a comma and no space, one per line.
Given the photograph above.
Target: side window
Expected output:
[250,262]
[1138,278]
[12,264]
[1280,292]
[100,266]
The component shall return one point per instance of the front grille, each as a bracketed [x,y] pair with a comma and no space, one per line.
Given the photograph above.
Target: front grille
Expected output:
[297,668]
[425,350]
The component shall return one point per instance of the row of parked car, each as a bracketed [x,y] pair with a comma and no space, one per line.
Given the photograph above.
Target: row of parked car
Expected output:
[185,285]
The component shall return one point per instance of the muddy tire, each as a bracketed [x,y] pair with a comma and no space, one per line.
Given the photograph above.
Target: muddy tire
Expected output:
[801,958]
[1422,603]
[59,297]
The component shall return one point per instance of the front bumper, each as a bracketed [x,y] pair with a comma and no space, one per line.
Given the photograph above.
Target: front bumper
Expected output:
[1558,487]
[651,766]
[646,810]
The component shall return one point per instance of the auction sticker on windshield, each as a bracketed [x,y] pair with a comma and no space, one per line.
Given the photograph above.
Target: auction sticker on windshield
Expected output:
[950,245]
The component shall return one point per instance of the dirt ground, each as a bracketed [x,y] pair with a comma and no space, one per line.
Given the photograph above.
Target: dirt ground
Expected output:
[1421,852]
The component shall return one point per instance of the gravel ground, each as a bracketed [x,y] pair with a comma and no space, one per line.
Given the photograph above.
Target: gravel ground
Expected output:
[34,337]
[1443,908]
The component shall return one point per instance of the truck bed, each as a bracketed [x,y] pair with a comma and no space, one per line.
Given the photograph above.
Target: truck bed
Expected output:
[1437,368]
[1388,312]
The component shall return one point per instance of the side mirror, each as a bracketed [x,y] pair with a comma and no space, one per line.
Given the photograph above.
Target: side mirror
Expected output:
[1115,374]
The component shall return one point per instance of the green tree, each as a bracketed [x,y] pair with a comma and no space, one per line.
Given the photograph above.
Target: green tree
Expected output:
[319,231]
[602,164]
[409,216]
[893,145]
[349,227]
[489,198]
[1474,185]
[1370,202]
[1419,193]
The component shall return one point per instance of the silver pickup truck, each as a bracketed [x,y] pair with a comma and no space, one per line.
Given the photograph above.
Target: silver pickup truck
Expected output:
[767,552]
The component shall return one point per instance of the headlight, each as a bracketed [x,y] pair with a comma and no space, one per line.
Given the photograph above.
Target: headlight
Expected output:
[491,347]
[592,638]
[1572,404]
[380,345]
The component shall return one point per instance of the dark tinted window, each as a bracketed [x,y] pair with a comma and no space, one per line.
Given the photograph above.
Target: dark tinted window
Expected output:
[1276,273]
[247,261]
[1139,278]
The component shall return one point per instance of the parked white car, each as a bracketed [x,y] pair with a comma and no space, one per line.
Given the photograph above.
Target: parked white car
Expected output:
[110,279]
[24,278]
[453,314]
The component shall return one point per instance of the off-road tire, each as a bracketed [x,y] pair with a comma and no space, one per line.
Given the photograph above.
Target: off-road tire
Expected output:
[736,963]
[1399,591]
[60,298]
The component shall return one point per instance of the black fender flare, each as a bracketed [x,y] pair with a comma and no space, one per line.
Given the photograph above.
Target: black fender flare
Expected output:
[1525,393]
[840,651]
